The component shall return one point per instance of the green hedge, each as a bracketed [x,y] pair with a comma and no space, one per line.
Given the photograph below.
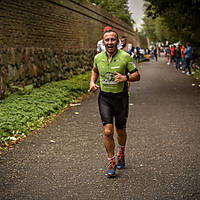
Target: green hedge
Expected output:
[29,108]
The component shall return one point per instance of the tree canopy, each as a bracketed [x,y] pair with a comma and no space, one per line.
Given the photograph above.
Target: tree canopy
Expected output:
[173,21]
[117,8]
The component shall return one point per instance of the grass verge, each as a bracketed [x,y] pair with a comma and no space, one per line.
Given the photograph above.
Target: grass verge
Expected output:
[196,74]
[28,109]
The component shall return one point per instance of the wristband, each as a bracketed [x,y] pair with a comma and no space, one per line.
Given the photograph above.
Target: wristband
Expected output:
[127,77]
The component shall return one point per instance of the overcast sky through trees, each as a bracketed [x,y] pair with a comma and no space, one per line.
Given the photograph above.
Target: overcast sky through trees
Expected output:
[136,8]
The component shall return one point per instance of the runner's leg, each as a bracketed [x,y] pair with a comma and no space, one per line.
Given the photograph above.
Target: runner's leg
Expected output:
[109,140]
[121,136]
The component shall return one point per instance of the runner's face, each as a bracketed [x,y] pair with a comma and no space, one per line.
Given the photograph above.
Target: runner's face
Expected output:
[110,41]
[123,41]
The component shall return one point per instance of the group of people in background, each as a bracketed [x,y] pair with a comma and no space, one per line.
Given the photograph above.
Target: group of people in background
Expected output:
[181,57]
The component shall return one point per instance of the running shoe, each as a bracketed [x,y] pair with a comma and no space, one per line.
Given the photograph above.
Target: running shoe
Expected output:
[120,161]
[188,73]
[110,172]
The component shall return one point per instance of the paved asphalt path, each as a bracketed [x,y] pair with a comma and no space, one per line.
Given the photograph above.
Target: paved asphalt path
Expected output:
[162,153]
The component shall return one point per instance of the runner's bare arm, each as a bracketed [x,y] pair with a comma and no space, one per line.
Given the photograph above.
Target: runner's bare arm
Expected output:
[134,76]
[94,76]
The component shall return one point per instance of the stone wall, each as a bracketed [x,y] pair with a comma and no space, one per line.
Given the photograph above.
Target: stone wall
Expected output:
[25,66]
[45,40]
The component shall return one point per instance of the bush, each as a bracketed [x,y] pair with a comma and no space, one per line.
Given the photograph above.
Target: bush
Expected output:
[27,110]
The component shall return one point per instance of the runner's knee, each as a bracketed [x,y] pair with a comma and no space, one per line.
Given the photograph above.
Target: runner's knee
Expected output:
[108,131]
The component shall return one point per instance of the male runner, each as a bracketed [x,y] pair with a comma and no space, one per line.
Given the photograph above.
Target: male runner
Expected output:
[100,45]
[124,43]
[112,67]
[125,48]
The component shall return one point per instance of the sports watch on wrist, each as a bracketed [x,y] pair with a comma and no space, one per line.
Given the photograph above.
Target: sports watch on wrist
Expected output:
[127,77]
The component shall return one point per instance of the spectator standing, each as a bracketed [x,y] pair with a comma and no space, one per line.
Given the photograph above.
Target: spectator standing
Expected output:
[172,55]
[183,59]
[147,52]
[134,54]
[155,52]
[159,50]
[177,56]
[188,57]
[194,59]
[137,54]
[124,44]
[168,54]
[152,53]
[125,48]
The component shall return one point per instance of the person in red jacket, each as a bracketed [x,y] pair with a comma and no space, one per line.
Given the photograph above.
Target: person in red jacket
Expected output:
[172,48]
[183,59]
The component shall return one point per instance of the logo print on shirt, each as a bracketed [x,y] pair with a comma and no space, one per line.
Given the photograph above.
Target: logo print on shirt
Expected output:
[109,79]
[133,64]
[117,67]
[103,60]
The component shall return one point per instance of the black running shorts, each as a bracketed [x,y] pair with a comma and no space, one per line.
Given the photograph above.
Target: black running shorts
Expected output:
[114,106]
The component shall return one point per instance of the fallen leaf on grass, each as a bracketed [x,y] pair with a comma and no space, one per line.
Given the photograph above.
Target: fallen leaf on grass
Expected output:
[13,138]
[75,104]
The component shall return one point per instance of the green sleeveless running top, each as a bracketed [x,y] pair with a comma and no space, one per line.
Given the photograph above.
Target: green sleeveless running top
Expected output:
[121,62]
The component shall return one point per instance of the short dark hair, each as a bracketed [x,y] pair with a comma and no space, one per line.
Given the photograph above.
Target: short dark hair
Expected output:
[109,31]
[123,37]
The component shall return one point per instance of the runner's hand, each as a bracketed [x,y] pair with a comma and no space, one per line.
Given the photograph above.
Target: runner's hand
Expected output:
[93,87]
[119,78]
